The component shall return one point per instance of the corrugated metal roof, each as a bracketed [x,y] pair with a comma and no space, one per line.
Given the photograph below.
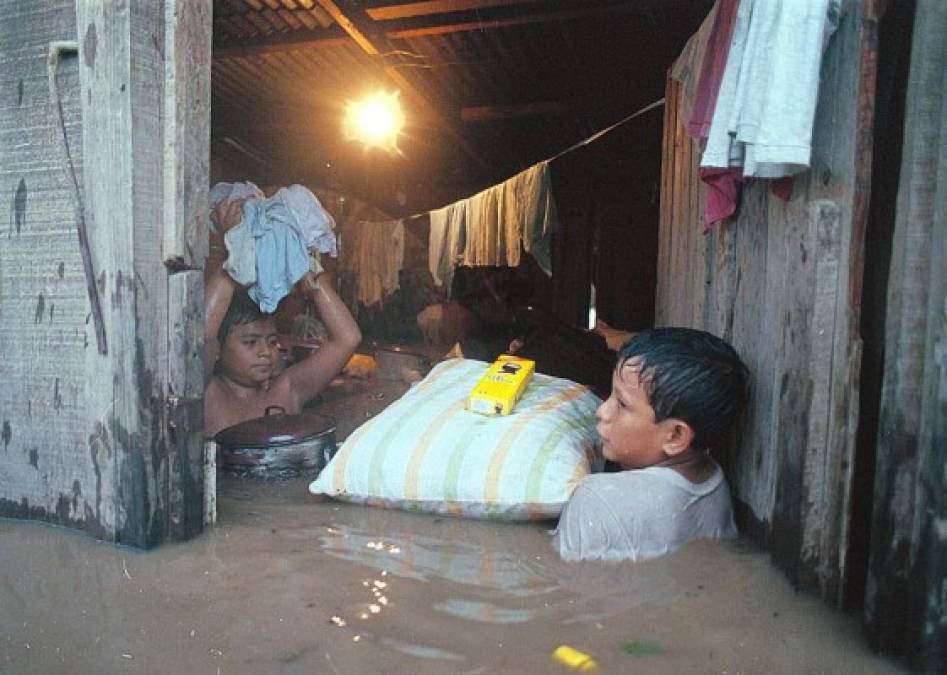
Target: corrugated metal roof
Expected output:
[489,86]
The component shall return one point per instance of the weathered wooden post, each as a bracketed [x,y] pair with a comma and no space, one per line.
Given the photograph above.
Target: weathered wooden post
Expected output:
[113,188]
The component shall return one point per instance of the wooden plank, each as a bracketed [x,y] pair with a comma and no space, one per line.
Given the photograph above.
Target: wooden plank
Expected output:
[186,487]
[108,135]
[818,475]
[756,337]
[905,600]
[186,131]
[50,469]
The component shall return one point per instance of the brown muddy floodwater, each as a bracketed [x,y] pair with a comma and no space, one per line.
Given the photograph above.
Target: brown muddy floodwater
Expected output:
[287,585]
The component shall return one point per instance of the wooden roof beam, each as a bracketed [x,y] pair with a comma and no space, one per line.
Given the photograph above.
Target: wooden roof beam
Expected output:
[363,41]
[283,42]
[487,113]
[492,24]
[412,9]
[337,38]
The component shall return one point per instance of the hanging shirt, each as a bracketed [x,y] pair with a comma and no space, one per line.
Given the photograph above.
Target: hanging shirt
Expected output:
[766,103]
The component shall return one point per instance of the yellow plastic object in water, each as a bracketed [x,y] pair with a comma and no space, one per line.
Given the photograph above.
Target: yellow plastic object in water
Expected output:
[575,659]
[360,365]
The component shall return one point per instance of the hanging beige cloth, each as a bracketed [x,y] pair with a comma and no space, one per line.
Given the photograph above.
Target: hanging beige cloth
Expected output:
[490,228]
[373,255]
[447,242]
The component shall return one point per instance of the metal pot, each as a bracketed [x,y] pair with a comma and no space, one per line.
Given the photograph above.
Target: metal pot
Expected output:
[277,445]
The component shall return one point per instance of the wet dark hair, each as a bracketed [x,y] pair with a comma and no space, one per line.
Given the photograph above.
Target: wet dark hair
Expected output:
[242,311]
[692,376]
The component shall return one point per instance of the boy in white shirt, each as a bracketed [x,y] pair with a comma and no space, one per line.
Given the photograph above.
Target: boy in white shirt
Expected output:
[675,394]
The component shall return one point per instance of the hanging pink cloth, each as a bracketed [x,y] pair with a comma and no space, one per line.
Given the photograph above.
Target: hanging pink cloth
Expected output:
[711,69]
[722,193]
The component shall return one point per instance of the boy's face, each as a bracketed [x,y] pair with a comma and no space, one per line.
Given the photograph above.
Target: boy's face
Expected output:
[250,353]
[630,436]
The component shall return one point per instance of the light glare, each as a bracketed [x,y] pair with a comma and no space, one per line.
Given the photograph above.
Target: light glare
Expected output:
[376,121]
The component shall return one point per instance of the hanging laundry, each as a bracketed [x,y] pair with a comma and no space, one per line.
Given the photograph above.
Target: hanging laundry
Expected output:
[489,228]
[766,102]
[448,240]
[373,255]
[533,189]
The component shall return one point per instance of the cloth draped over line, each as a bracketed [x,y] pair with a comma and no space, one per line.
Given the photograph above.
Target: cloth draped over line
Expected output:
[269,250]
[372,256]
[490,228]
[763,101]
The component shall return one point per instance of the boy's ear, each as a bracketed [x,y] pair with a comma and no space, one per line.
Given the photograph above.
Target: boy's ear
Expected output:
[678,438]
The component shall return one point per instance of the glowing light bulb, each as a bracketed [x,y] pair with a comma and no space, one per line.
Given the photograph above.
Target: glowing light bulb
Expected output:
[376,121]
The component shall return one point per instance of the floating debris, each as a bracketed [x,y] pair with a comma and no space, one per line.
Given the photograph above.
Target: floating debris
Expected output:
[575,659]
[337,620]
[643,648]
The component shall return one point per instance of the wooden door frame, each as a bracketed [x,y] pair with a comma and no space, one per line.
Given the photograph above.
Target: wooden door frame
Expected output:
[145,87]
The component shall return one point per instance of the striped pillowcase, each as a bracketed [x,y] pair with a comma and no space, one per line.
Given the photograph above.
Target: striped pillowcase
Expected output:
[425,452]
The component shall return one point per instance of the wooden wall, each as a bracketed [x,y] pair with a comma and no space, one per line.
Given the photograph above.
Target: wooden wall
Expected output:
[96,411]
[906,596]
[50,467]
[781,282]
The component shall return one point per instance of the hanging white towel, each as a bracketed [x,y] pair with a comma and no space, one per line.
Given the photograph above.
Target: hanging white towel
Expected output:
[767,98]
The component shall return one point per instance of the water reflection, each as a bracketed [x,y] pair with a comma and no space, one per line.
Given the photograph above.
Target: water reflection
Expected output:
[490,580]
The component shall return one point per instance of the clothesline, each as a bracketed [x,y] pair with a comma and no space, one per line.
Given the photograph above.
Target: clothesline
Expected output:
[576,146]
[489,228]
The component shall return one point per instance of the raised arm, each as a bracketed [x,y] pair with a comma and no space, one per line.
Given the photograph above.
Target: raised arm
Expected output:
[218,292]
[219,288]
[310,376]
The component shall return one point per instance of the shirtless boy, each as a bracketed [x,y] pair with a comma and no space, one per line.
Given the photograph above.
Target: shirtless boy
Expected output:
[241,349]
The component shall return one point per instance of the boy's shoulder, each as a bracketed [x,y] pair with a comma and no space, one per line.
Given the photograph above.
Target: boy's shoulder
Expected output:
[649,494]
[641,513]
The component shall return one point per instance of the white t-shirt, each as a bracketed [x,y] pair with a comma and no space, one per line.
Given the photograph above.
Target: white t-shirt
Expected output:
[642,513]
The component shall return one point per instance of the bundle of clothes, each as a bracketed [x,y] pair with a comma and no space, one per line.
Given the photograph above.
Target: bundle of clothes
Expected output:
[278,241]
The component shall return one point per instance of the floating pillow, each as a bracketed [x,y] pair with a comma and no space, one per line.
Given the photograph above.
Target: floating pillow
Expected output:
[425,452]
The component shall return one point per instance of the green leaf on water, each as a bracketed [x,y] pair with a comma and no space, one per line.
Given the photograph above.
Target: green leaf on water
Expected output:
[643,648]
